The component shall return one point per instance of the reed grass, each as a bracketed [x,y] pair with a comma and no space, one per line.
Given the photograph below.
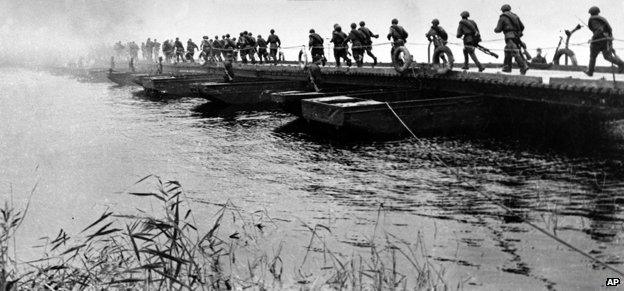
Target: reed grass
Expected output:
[166,249]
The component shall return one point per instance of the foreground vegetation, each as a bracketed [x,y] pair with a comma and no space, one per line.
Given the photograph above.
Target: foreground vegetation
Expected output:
[170,251]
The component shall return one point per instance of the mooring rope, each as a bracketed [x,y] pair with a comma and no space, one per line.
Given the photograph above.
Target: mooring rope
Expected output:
[491,198]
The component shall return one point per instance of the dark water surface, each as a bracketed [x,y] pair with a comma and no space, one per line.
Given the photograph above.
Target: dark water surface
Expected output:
[87,143]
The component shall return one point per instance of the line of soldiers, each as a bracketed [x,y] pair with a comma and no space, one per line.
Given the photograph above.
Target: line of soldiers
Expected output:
[360,38]
[512,28]
[509,24]
[226,48]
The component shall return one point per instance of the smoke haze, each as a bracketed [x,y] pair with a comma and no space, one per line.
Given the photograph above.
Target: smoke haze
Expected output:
[62,30]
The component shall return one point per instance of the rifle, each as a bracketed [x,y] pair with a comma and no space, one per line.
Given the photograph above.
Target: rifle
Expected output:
[486,50]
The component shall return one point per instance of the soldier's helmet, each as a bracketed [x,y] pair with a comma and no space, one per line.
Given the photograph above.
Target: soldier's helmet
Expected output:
[465,14]
[216,37]
[395,21]
[227,35]
[205,37]
[505,8]
[259,36]
[338,28]
[353,25]
[435,21]
[336,25]
[594,10]
[362,23]
[311,30]
[272,30]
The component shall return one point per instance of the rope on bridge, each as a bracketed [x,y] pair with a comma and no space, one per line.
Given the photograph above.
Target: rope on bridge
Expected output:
[491,198]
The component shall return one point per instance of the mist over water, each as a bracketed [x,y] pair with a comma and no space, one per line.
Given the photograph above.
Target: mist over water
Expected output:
[38,31]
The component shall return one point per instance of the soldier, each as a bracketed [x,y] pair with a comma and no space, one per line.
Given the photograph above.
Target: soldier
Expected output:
[143,51]
[438,36]
[156,49]
[241,44]
[274,44]
[190,50]
[398,35]
[251,46]
[206,48]
[510,24]
[217,48]
[228,48]
[166,50]
[470,32]
[134,50]
[340,51]
[119,49]
[538,59]
[368,42]
[357,39]
[262,49]
[316,47]
[149,48]
[179,50]
[601,41]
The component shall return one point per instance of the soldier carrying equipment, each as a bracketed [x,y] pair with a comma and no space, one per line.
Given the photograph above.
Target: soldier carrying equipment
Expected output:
[438,36]
[340,51]
[511,26]
[274,44]
[190,50]
[179,50]
[601,41]
[398,35]
[470,32]
[357,39]
[368,42]
[262,49]
[316,47]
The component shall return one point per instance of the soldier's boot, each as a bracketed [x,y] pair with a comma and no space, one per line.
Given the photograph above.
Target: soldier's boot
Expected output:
[609,56]
[521,61]
[348,62]
[465,67]
[507,63]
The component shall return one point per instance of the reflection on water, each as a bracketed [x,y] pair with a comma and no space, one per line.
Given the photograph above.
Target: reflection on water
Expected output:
[85,143]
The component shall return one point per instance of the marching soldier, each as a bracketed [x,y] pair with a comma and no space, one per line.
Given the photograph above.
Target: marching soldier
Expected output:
[438,36]
[149,49]
[601,41]
[316,47]
[368,42]
[340,51]
[262,49]
[156,49]
[179,50]
[206,48]
[190,50]
[470,32]
[217,48]
[398,35]
[251,46]
[357,39]
[274,44]
[510,24]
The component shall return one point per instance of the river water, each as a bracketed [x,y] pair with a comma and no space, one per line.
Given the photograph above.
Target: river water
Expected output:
[85,144]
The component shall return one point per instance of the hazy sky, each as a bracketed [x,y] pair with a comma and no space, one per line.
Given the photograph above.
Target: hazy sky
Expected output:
[43,27]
